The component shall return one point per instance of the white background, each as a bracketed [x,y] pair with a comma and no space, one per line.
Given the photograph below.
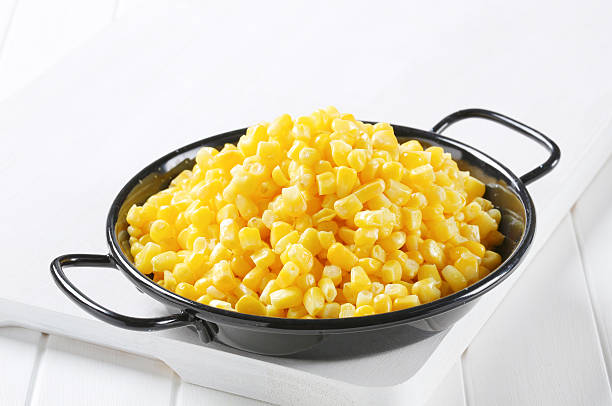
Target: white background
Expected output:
[555,356]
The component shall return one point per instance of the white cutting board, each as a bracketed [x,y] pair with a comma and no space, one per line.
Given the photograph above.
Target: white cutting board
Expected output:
[168,76]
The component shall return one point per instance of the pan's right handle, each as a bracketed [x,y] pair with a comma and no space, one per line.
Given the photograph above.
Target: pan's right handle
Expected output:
[550,145]
[128,322]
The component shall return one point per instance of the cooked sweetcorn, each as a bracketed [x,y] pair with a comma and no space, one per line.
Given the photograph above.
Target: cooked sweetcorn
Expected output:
[321,217]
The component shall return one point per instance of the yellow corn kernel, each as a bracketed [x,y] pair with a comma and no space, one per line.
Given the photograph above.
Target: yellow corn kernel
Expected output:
[253,278]
[250,305]
[370,265]
[340,151]
[432,253]
[454,201]
[169,282]
[411,218]
[202,285]
[474,188]
[249,238]
[294,200]
[378,202]
[286,241]
[222,276]
[475,247]
[269,151]
[443,230]
[493,239]
[347,310]
[219,253]
[339,255]
[381,303]
[426,290]
[186,290]
[310,240]
[395,290]
[467,264]
[485,224]
[220,304]
[346,179]
[301,257]
[347,235]
[246,207]
[405,302]
[334,273]
[325,214]
[215,293]
[429,271]
[314,301]
[326,239]
[160,231]
[491,260]
[182,273]
[270,287]
[205,299]
[309,156]
[455,279]
[279,177]
[357,159]
[286,298]
[359,279]
[393,242]
[422,176]
[366,236]
[391,271]
[272,311]
[228,234]
[364,297]
[378,253]
[326,183]
[413,159]
[365,310]
[164,261]
[370,190]
[330,311]
[278,230]
[348,206]
[369,218]
[287,275]
[263,258]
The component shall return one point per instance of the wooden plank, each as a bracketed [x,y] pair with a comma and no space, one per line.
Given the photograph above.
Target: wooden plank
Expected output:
[191,395]
[540,347]
[42,32]
[19,351]
[450,391]
[76,373]
[593,221]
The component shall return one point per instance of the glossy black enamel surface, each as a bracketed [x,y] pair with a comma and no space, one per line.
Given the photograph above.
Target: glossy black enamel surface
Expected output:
[321,338]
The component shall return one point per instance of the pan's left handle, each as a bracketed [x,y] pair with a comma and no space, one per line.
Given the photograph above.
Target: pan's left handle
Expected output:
[95,309]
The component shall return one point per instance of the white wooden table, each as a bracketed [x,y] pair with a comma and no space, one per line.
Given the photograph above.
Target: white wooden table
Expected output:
[549,343]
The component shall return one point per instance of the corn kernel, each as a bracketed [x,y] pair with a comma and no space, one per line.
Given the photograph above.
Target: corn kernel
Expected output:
[186,290]
[347,310]
[347,207]
[250,305]
[346,178]
[286,298]
[405,302]
[341,256]
[491,260]
[455,279]
[314,301]
[426,290]
[365,310]
[359,279]
[330,311]
[391,271]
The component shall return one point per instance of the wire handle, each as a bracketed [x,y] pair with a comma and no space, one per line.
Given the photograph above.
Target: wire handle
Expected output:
[90,306]
[550,145]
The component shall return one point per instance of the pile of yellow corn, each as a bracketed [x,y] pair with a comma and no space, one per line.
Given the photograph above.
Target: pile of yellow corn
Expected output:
[320,217]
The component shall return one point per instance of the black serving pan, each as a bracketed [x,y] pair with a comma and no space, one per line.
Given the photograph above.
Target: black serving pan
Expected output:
[318,338]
